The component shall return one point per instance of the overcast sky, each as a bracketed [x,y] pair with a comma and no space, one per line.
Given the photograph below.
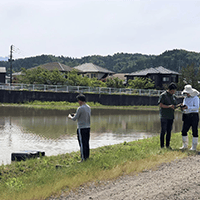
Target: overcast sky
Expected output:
[77,28]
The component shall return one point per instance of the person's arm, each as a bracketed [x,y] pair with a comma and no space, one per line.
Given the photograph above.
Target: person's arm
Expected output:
[76,115]
[161,102]
[167,106]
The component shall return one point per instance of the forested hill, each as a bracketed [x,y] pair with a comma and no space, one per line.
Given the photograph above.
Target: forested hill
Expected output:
[119,63]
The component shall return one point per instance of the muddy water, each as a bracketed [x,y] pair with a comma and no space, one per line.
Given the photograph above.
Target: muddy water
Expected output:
[51,130]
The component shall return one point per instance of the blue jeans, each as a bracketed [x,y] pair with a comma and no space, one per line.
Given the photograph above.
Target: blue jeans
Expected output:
[166,127]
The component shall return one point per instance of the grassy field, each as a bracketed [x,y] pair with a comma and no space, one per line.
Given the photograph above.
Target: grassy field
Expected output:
[40,178]
[64,105]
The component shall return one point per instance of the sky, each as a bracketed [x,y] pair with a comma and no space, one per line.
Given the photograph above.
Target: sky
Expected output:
[78,28]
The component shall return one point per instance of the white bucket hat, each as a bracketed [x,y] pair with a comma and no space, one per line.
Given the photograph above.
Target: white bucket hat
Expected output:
[188,89]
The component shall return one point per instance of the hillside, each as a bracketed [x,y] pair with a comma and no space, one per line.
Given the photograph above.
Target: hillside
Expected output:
[119,63]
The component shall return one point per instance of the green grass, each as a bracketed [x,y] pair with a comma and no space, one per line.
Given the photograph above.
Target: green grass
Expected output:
[39,178]
[64,105]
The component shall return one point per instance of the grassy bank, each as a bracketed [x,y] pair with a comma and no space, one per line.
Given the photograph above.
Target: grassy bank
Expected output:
[39,178]
[64,105]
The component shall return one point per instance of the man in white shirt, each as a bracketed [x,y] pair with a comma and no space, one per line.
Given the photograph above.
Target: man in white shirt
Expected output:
[190,110]
[82,115]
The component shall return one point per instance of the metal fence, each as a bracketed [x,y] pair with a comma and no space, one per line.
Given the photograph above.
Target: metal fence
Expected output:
[82,89]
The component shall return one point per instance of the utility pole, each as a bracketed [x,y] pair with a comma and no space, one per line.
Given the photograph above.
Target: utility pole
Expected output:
[10,60]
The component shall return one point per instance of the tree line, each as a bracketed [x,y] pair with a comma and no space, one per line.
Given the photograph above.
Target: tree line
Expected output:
[118,63]
[182,61]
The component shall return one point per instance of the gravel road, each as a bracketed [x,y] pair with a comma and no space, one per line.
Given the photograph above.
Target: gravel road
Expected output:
[176,180]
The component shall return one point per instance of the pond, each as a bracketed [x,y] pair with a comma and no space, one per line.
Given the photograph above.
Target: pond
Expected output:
[51,131]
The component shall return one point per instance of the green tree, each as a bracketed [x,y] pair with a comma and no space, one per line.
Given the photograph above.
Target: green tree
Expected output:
[73,78]
[110,83]
[85,81]
[27,76]
[41,76]
[141,83]
[56,77]
[189,75]
[114,83]
[97,83]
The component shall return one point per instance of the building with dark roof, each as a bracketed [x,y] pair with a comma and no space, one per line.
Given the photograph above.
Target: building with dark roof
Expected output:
[91,70]
[160,75]
[2,75]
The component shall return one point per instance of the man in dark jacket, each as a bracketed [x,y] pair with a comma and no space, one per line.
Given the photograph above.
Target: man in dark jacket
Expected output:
[167,103]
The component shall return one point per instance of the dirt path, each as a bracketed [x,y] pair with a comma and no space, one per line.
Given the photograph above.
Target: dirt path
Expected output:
[179,179]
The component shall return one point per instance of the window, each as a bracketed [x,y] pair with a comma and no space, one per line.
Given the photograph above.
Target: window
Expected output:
[173,78]
[93,75]
[165,79]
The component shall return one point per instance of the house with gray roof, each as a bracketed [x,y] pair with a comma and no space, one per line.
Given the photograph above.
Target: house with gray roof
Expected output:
[55,65]
[160,75]
[50,67]
[93,71]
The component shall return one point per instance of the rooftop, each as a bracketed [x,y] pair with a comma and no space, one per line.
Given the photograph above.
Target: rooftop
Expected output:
[90,67]
[119,75]
[55,65]
[156,70]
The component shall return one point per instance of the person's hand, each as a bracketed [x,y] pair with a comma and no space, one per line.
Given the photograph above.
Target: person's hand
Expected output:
[185,107]
[69,116]
[171,106]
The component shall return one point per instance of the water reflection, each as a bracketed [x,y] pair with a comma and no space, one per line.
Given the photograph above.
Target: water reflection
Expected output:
[52,132]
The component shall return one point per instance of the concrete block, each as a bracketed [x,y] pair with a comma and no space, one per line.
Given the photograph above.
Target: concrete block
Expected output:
[23,155]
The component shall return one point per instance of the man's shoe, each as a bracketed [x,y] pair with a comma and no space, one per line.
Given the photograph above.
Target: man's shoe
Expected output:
[80,161]
[169,148]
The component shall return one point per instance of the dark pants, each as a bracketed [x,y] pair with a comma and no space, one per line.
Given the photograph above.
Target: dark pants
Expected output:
[190,120]
[83,136]
[166,127]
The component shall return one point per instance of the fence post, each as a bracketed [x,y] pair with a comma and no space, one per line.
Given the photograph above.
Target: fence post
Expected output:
[67,89]
[99,90]
[44,87]
[89,89]
[33,87]
[109,90]
[139,91]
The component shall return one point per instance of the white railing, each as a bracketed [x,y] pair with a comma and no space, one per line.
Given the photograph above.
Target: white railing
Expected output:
[82,89]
